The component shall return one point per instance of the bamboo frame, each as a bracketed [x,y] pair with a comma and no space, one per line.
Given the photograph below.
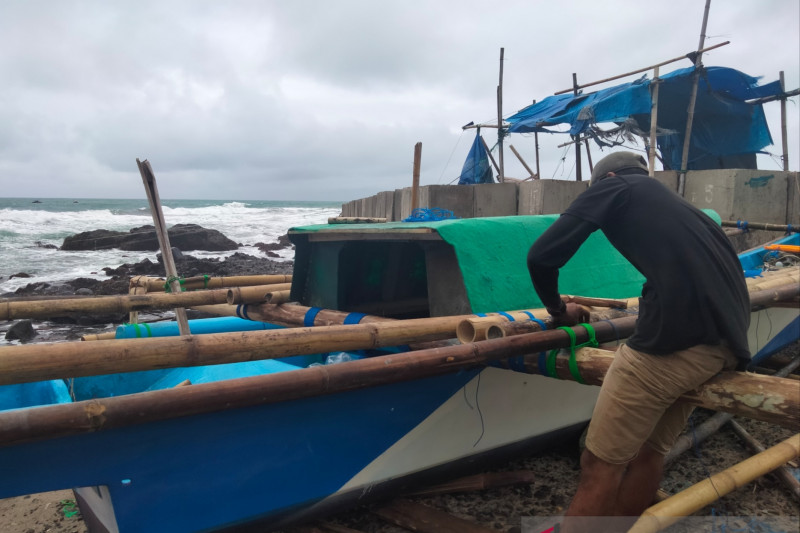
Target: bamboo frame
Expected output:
[201,282]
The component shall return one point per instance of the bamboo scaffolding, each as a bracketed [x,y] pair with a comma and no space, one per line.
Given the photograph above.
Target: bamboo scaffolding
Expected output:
[202,282]
[671,510]
[24,425]
[255,294]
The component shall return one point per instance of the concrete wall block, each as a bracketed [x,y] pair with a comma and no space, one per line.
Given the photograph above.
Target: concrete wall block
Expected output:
[405,203]
[495,199]
[459,199]
[545,197]
[740,194]
[370,206]
[669,178]
[384,205]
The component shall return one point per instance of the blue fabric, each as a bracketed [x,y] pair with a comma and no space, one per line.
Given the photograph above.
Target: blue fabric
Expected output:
[353,318]
[476,167]
[723,125]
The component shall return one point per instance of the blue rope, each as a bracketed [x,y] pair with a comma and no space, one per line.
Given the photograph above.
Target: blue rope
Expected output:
[311,315]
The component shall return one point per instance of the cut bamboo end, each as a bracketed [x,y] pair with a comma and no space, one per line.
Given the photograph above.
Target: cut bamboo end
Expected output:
[100,336]
[255,294]
[669,511]
[277,297]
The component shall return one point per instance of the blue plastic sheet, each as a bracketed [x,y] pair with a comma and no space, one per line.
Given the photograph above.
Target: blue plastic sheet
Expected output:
[476,168]
[724,123]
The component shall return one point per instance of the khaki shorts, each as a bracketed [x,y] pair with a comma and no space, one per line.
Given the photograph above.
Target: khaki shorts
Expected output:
[637,400]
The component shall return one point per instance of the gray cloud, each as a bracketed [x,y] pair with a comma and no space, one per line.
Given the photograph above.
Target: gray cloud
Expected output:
[322,100]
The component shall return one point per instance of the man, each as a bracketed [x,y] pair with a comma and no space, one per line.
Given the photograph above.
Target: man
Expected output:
[693,317]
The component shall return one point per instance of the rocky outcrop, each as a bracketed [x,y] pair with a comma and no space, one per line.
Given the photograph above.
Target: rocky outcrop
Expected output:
[143,239]
[22,331]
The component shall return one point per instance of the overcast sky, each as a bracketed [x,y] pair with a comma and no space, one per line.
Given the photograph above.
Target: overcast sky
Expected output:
[324,100]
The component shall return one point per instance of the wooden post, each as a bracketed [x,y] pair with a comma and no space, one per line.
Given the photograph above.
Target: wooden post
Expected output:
[578,174]
[415,182]
[698,66]
[536,142]
[502,176]
[524,164]
[588,154]
[784,138]
[651,156]
[153,198]
[489,153]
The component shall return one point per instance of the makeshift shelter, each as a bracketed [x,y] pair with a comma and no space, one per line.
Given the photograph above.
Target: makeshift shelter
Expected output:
[729,128]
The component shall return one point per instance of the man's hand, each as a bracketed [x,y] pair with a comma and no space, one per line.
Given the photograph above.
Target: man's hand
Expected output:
[570,315]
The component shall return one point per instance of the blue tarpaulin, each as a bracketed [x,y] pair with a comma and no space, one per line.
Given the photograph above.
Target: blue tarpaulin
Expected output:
[476,168]
[724,123]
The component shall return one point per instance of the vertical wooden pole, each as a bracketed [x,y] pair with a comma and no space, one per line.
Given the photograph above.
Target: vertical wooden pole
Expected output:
[501,178]
[578,174]
[651,155]
[149,180]
[536,142]
[588,154]
[784,137]
[415,182]
[698,66]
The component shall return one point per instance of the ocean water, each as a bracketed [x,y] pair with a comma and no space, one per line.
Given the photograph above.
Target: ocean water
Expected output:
[28,226]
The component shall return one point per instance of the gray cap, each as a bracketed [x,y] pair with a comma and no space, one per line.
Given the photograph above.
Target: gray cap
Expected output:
[616,162]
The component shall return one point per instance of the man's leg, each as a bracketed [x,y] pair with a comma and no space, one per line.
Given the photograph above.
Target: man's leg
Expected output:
[595,497]
[640,483]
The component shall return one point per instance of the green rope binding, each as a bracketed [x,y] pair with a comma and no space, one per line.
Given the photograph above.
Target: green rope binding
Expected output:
[573,363]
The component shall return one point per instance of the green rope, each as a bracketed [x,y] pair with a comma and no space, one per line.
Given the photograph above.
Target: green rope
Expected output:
[170,279]
[573,363]
[206,277]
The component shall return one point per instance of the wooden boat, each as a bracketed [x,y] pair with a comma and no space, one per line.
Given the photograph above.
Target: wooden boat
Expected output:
[262,464]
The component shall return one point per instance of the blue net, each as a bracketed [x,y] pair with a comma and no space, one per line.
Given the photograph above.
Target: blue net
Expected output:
[424,214]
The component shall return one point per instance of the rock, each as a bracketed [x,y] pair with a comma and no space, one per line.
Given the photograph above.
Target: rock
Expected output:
[84,292]
[283,242]
[20,275]
[40,244]
[22,331]
[143,239]
[177,255]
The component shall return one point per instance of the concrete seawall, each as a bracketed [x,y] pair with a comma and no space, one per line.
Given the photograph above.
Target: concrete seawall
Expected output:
[736,194]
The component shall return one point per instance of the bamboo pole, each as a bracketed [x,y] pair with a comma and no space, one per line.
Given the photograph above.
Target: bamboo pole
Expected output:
[502,176]
[588,154]
[784,136]
[698,64]
[639,71]
[651,153]
[153,198]
[278,297]
[505,329]
[357,220]
[255,294]
[669,511]
[415,176]
[489,153]
[25,425]
[203,282]
[108,335]
[759,225]
[782,473]
[536,144]
[524,164]
[578,172]
[47,308]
